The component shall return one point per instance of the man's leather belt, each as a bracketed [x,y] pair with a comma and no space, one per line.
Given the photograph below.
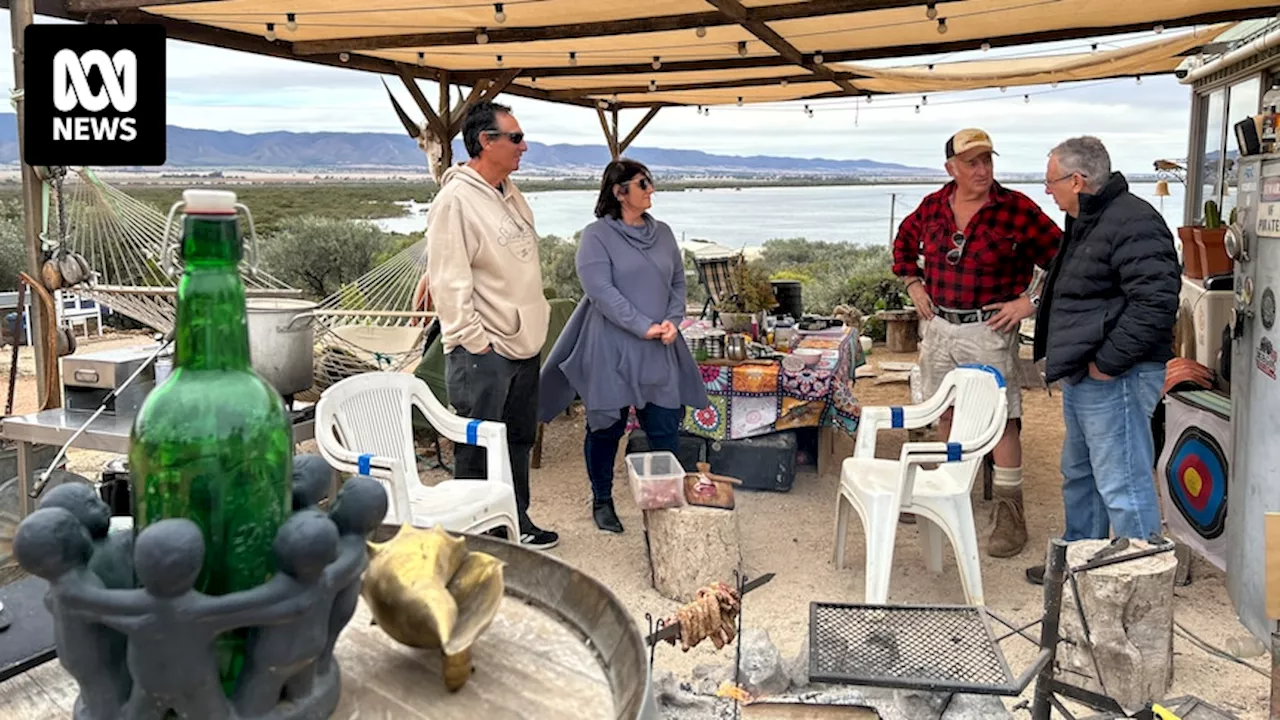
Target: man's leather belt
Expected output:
[964,317]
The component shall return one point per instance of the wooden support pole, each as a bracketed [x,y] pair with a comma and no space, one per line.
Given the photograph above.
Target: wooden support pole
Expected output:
[635,132]
[608,136]
[446,120]
[433,120]
[20,14]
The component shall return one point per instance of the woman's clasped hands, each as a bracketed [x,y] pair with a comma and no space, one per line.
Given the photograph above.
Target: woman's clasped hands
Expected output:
[666,331]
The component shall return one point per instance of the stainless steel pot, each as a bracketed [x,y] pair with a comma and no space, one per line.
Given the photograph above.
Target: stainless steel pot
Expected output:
[282,342]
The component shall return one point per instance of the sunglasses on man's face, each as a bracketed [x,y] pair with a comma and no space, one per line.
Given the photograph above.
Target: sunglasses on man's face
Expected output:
[515,137]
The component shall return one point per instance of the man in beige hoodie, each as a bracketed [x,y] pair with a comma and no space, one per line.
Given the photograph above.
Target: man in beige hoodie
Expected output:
[482,265]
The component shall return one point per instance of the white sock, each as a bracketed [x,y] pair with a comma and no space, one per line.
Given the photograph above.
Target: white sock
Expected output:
[1008,478]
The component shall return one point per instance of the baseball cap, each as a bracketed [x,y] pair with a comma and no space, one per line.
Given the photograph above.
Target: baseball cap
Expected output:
[969,139]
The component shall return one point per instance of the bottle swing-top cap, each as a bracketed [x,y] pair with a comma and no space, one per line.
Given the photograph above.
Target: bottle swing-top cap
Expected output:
[209,202]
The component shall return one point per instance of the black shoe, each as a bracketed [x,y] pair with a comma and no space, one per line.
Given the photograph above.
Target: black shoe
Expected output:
[605,516]
[1035,575]
[536,538]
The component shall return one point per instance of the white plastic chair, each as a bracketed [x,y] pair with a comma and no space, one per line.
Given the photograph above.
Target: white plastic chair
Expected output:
[369,418]
[939,498]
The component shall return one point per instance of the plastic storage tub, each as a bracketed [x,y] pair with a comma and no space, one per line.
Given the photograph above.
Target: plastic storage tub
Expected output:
[657,480]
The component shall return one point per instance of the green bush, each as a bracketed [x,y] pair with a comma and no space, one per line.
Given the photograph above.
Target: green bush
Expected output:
[319,255]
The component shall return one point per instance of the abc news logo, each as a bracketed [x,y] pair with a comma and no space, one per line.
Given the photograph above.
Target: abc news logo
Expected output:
[95,95]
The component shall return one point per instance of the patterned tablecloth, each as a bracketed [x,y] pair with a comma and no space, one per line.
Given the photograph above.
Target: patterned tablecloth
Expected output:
[757,399]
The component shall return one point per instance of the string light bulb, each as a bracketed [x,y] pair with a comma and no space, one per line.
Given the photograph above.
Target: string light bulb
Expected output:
[603,104]
[1138,79]
[917,109]
[499,59]
[653,85]
[739,101]
[573,58]
[482,36]
[700,31]
[986,46]
[706,112]
[421,59]
[868,98]
[942,26]
[1004,88]
[817,58]
[1026,98]
[1158,29]
[742,48]
[1053,84]
[271,32]
[499,15]
[924,99]
[344,56]
[783,82]
[291,21]
[1093,48]
[931,11]
[930,67]
[657,63]
[699,109]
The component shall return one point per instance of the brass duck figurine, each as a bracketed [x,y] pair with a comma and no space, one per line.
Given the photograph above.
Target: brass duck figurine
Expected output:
[427,591]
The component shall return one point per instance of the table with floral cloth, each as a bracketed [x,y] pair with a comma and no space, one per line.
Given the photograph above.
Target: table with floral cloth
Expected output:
[757,399]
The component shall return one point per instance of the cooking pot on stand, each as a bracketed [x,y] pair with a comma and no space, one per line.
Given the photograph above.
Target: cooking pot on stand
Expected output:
[282,342]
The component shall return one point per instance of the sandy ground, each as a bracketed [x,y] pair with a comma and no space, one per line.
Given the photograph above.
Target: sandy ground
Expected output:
[791,534]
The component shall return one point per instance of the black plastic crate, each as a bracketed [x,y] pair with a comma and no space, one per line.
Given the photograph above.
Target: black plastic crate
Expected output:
[767,462]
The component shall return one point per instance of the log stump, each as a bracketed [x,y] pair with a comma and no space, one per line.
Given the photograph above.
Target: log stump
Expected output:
[900,331]
[691,547]
[1129,609]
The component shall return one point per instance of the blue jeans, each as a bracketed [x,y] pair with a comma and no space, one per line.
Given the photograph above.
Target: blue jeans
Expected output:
[661,426]
[1107,455]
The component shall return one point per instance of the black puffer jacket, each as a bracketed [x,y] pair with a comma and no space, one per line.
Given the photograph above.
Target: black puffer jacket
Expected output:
[1112,293]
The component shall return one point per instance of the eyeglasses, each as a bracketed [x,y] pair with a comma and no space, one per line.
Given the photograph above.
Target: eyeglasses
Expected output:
[515,137]
[1047,183]
[957,251]
[645,183]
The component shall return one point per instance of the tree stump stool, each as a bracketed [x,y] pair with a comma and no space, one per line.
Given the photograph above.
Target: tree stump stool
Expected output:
[900,332]
[1129,610]
[691,547]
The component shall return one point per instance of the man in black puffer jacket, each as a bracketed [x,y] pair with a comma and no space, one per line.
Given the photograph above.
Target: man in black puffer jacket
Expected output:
[1105,329]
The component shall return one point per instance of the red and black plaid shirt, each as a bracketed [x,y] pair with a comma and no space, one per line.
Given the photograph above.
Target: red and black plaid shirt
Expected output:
[1003,242]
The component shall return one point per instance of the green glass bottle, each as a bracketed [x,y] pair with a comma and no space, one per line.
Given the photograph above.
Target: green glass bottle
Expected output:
[212,443]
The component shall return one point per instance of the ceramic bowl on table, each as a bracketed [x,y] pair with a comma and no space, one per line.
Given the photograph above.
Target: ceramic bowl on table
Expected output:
[809,356]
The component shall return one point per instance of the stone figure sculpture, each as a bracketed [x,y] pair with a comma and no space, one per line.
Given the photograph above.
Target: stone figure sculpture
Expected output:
[143,654]
[54,545]
[312,477]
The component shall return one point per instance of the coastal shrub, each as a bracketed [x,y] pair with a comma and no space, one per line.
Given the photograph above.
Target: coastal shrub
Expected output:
[318,255]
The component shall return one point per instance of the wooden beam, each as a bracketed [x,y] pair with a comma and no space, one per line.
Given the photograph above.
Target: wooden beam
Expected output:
[688,21]
[446,121]
[894,51]
[635,132]
[502,83]
[587,92]
[609,137]
[736,10]
[433,120]
[88,6]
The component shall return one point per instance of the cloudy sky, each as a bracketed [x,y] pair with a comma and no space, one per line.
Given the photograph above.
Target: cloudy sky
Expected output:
[224,90]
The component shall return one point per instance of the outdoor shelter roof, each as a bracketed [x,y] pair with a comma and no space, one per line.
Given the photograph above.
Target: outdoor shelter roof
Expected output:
[710,51]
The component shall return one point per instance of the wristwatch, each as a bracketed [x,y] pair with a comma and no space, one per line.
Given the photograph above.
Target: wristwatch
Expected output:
[1035,300]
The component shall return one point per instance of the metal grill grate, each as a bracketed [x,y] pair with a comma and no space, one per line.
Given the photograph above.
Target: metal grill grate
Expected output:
[909,646]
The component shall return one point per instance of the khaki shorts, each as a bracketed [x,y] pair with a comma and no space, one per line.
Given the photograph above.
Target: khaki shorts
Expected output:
[946,346]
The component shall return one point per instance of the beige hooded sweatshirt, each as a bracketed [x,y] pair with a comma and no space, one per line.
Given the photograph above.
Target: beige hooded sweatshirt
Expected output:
[482,261]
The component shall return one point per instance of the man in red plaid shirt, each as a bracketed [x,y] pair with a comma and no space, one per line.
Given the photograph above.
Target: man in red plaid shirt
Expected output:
[967,256]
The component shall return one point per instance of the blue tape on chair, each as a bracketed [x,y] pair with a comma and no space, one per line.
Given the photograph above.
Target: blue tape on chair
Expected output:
[897,417]
[988,368]
[953,452]
[473,432]
[364,463]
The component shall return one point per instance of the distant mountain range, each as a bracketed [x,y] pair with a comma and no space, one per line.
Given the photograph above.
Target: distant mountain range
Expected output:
[190,148]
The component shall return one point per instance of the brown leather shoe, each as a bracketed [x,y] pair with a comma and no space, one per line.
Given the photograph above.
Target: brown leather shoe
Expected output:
[1010,533]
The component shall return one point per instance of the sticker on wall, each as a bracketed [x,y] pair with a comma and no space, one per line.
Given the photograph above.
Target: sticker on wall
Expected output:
[1266,358]
[1268,309]
[1196,474]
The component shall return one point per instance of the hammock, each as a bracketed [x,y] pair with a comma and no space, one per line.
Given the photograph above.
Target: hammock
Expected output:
[369,324]
[123,239]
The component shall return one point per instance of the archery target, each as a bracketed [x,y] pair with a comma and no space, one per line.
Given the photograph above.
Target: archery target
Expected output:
[1196,475]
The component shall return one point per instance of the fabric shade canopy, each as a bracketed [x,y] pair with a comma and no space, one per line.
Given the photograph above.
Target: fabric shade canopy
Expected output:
[686,52]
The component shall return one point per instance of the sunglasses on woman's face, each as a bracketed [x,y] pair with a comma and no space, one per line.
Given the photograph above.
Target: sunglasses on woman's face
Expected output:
[645,183]
[957,251]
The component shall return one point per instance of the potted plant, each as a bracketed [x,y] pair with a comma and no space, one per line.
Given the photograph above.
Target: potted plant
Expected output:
[1210,244]
[752,294]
